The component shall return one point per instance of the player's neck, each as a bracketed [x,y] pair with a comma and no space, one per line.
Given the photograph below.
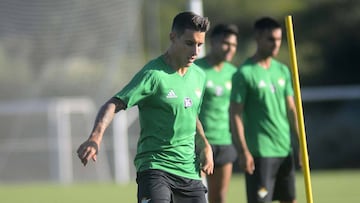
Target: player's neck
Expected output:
[216,63]
[171,61]
[263,61]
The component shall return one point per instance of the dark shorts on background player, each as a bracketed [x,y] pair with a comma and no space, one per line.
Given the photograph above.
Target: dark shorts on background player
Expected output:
[273,179]
[162,187]
[223,154]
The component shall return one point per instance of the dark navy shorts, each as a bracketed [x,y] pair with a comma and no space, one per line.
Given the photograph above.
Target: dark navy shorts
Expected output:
[273,180]
[223,154]
[156,186]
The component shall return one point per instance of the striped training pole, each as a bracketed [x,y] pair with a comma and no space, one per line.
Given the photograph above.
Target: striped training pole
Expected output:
[300,117]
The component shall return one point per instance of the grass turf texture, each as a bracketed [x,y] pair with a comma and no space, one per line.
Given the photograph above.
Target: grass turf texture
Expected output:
[327,187]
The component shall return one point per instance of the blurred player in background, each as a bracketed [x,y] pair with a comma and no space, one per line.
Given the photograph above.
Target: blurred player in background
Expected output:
[214,114]
[168,92]
[263,114]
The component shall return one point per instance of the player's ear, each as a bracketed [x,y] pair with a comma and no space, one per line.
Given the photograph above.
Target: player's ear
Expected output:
[172,36]
[257,35]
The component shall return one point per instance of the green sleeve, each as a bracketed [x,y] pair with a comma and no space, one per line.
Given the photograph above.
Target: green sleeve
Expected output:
[239,87]
[143,85]
[288,88]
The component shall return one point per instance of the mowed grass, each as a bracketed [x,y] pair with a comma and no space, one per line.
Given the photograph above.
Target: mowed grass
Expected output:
[327,187]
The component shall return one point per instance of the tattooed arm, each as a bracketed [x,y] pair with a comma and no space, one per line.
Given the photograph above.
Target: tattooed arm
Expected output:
[89,149]
[206,154]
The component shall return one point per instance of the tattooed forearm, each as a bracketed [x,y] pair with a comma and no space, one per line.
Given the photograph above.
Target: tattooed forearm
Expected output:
[103,120]
[105,115]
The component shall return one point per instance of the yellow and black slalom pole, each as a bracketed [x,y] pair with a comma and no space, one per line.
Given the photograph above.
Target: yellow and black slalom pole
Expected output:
[300,117]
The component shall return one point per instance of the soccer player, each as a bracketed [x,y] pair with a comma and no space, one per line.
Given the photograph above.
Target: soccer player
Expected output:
[263,115]
[214,114]
[168,91]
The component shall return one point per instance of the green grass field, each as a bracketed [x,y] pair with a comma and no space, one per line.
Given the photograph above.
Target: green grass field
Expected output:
[327,187]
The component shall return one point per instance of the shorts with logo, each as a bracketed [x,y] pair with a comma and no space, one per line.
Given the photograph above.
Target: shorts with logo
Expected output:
[223,154]
[156,186]
[273,179]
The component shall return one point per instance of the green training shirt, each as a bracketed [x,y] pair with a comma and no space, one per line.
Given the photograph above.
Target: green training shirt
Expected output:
[168,106]
[263,93]
[214,114]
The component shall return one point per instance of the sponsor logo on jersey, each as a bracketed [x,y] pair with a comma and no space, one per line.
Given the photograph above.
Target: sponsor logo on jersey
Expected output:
[219,91]
[187,102]
[171,94]
[272,88]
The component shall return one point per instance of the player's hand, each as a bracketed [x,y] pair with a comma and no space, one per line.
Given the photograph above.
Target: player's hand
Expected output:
[246,162]
[88,150]
[207,160]
[300,159]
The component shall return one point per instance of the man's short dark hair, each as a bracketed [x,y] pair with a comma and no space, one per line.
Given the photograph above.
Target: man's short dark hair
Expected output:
[266,23]
[224,30]
[190,20]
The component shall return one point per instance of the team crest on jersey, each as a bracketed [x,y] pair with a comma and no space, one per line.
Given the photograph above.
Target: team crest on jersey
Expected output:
[187,102]
[198,92]
[281,82]
[228,85]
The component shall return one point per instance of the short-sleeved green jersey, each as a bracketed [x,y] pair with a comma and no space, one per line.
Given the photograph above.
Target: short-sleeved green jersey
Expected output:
[168,106]
[214,114]
[263,93]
